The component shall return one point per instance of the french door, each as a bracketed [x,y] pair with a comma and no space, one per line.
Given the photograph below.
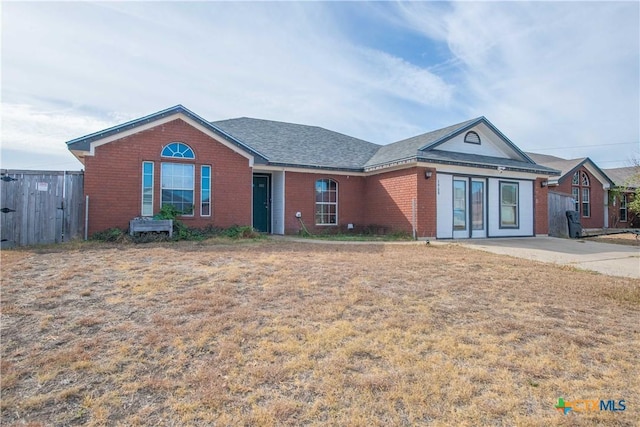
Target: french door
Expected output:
[469,208]
[478,208]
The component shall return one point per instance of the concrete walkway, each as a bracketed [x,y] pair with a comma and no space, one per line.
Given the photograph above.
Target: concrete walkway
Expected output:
[605,258]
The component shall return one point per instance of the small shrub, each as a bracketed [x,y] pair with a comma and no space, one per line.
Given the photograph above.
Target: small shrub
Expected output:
[110,235]
[168,212]
[240,232]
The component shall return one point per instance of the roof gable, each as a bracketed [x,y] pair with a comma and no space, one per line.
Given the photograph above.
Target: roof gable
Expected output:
[447,146]
[86,145]
[568,167]
[493,143]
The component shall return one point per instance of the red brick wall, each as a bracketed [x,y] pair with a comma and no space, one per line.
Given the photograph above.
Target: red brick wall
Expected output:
[596,193]
[614,213]
[427,192]
[300,196]
[388,198]
[540,207]
[113,178]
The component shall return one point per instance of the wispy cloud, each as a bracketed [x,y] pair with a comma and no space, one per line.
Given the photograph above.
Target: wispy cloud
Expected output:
[549,74]
[544,73]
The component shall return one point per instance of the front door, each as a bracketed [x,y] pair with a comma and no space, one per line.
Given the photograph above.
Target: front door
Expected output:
[478,212]
[261,203]
[460,208]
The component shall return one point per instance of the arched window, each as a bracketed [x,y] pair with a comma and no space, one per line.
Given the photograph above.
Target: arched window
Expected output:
[581,193]
[576,179]
[178,149]
[472,138]
[326,202]
[584,180]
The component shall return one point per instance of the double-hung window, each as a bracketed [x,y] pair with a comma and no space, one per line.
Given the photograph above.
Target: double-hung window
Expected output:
[177,187]
[508,204]
[623,208]
[326,202]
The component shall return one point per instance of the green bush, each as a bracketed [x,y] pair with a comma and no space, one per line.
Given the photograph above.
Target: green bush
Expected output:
[110,235]
[240,232]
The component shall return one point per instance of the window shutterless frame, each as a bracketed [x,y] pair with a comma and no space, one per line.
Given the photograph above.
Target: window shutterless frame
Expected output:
[326,206]
[623,208]
[205,190]
[177,186]
[509,204]
[586,206]
[147,188]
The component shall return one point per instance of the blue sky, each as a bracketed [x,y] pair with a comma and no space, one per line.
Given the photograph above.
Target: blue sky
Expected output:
[559,78]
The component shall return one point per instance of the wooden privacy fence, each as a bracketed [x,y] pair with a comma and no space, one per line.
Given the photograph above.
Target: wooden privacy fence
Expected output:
[559,204]
[40,207]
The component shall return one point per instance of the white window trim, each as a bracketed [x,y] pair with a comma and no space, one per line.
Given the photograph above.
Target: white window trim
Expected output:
[623,207]
[586,202]
[142,211]
[193,189]
[327,203]
[178,157]
[575,194]
[517,205]
[209,189]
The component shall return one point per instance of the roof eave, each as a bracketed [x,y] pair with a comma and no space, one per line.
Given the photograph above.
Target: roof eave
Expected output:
[406,160]
[314,167]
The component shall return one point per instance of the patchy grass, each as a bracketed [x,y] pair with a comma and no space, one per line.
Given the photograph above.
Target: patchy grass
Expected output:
[629,239]
[285,333]
[360,237]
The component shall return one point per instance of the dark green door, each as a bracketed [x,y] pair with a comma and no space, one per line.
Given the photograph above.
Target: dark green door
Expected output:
[261,205]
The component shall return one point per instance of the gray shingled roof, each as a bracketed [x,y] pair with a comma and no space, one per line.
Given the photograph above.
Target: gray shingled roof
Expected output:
[302,145]
[627,176]
[289,144]
[563,165]
[409,148]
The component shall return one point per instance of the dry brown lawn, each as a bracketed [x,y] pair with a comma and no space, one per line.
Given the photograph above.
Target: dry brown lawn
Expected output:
[620,239]
[280,333]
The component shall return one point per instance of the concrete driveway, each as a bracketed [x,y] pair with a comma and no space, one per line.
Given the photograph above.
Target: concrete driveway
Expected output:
[605,258]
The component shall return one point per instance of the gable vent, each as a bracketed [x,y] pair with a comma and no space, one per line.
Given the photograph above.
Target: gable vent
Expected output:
[472,138]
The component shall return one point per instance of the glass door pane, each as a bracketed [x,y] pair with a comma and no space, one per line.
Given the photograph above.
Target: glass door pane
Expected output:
[459,205]
[477,205]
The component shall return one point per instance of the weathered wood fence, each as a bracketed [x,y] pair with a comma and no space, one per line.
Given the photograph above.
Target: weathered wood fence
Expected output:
[559,204]
[40,207]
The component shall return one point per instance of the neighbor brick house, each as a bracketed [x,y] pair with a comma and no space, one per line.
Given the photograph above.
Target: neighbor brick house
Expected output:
[627,181]
[464,181]
[585,182]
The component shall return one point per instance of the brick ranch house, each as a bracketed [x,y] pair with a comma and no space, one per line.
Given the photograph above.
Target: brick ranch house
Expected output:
[585,182]
[464,181]
[627,180]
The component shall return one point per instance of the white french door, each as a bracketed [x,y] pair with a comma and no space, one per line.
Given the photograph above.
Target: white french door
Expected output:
[469,208]
[460,208]
[478,207]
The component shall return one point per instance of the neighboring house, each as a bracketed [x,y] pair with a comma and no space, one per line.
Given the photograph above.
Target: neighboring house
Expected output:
[466,180]
[627,181]
[585,182]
